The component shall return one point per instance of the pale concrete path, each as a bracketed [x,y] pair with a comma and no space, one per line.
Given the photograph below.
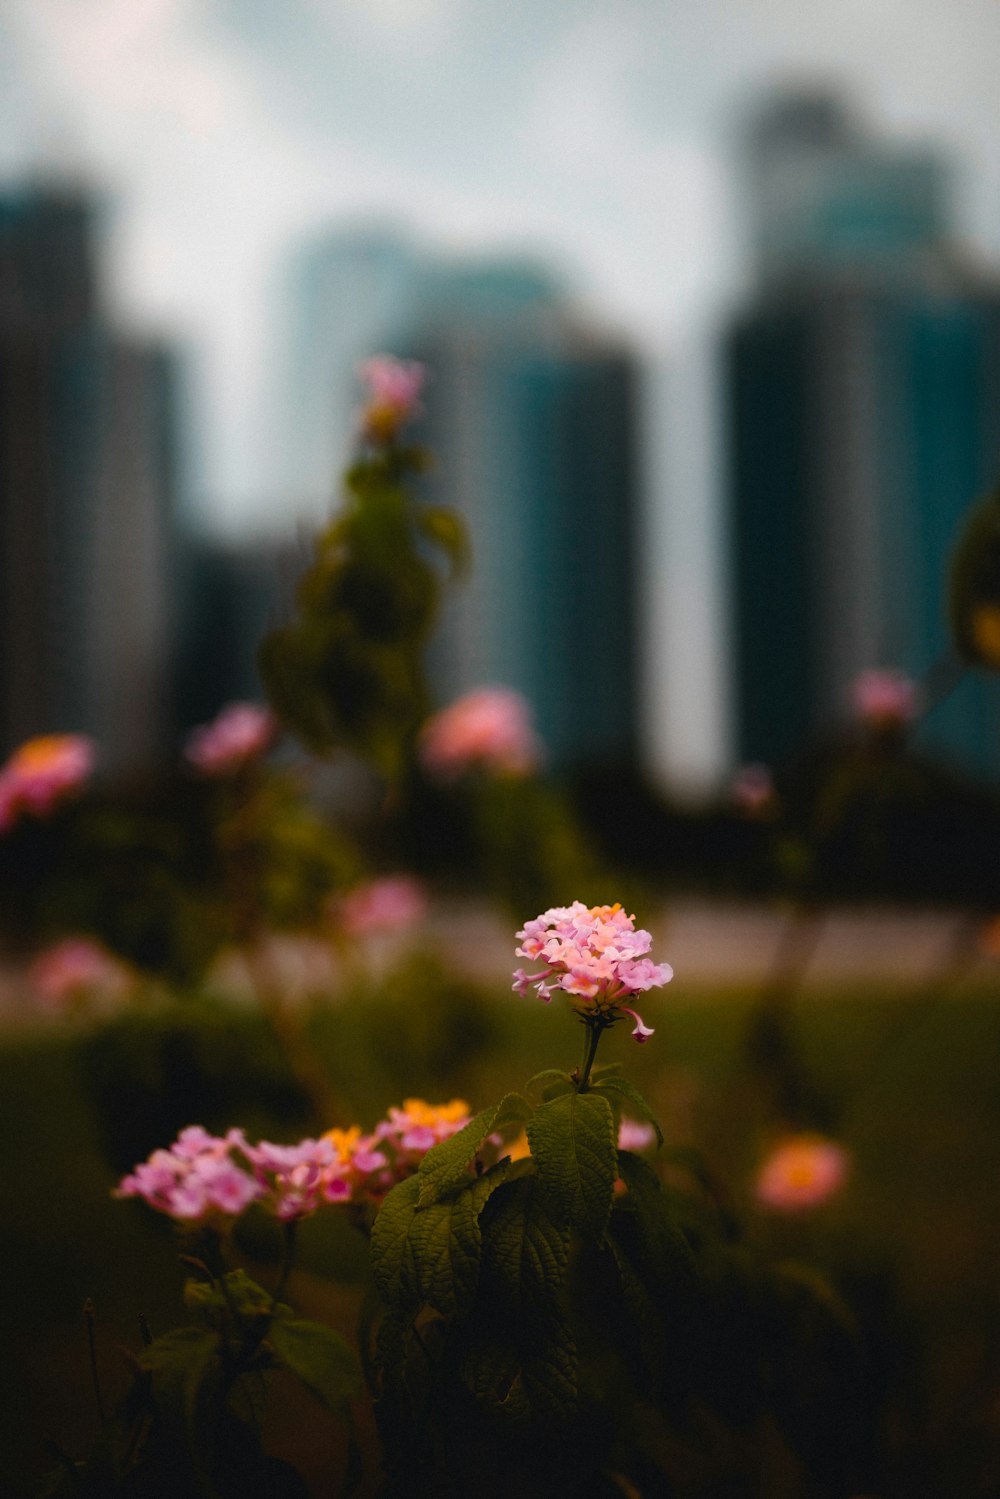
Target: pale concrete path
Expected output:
[709,944]
[728,943]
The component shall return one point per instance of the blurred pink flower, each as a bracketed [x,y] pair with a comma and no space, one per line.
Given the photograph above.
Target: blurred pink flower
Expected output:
[885,699]
[196,1180]
[382,905]
[291,1177]
[394,387]
[42,773]
[241,733]
[752,790]
[489,728]
[595,955]
[78,968]
[801,1172]
[635,1136]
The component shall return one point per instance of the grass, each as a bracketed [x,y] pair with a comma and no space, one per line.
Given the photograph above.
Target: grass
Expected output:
[914,1089]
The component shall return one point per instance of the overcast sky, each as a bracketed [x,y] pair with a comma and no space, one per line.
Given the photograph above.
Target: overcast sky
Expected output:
[598,132]
[595,130]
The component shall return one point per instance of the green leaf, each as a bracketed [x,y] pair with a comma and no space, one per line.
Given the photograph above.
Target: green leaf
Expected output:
[525,1259]
[445,1167]
[608,1069]
[319,1357]
[445,1243]
[572,1141]
[179,1364]
[236,1293]
[659,1247]
[391,1257]
[445,529]
[623,1091]
[556,1090]
[550,1075]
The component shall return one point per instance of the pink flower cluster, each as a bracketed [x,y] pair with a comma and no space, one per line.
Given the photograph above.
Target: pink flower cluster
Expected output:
[41,774]
[79,968]
[595,955]
[802,1171]
[211,1179]
[490,729]
[885,699]
[241,733]
[196,1180]
[383,905]
[394,387]
[369,1165]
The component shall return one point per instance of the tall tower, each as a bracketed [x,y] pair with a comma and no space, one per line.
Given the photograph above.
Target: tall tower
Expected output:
[87,476]
[864,401]
[534,420]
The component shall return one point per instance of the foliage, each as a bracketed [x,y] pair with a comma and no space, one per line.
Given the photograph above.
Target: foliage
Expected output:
[347,672]
[189,1424]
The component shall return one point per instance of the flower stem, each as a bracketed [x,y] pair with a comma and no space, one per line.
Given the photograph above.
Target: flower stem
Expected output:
[288,1255]
[594,1029]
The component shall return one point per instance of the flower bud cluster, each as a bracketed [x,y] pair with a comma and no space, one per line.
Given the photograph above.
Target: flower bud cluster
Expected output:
[43,773]
[596,956]
[394,387]
[212,1179]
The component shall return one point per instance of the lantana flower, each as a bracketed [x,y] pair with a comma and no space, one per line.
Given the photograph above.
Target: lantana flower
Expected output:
[291,1177]
[488,729]
[596,956]
[240,734]
[42,773]
[802,1171]
[79,968]
[196,1180]
[885,699]
[211,1179]
[368,1165]
[394,387]
[383,905]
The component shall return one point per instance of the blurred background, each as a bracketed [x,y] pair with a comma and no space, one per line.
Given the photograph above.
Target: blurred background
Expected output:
[710,299]
[709,295]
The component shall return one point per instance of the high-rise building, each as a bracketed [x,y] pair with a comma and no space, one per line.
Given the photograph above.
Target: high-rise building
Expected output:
[864,396]
[532,420]
[535,434]
[87,477]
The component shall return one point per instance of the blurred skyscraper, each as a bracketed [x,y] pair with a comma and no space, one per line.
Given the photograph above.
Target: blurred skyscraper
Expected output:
[87,477]
[532,422]
[864,395]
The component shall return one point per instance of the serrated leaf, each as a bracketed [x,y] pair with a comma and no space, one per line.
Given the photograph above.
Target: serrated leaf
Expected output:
[660,1246]
[572,1141]
[445,1167]
[525,1261]
[324,1362]
[625,1092]
[445,1242]
[556,1090]
[391,1259]
[549,1075]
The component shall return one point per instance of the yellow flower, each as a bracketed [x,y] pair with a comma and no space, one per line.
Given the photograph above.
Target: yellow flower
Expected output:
[419,1111]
